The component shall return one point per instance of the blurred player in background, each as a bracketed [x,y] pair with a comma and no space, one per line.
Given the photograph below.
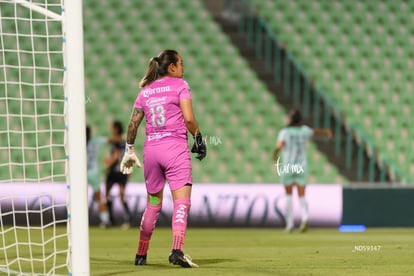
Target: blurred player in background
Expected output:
[165,102]
[93,145]
[292,141]
[114,175]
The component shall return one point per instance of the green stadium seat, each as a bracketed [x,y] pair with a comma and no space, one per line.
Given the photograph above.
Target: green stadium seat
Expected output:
[371,40]
[230,101]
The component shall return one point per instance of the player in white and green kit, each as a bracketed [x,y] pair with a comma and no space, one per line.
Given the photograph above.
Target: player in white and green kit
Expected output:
[292,167]
[93,146]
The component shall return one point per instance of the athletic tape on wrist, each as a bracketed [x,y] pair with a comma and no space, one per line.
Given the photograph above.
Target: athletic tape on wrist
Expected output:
[128,146]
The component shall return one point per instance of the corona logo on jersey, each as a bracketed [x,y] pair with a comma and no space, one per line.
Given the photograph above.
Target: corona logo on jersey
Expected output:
[288,168]
[151,91]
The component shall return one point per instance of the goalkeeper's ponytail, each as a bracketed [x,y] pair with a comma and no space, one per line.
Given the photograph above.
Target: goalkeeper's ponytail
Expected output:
[151,74]
[158,66]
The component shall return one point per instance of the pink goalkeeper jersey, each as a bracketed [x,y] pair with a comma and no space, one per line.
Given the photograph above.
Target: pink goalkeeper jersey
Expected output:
[160,101]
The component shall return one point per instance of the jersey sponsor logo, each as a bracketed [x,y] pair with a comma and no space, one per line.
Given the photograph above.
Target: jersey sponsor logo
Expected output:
[156,136]
[151,91]
[156,101]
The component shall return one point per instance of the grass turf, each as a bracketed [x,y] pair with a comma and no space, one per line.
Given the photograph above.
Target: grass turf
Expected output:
[259,252]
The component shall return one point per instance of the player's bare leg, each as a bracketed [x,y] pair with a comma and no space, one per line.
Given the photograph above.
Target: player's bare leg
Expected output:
[182,206]
[289,208]
[303,208]
[127,212]
[109,204]
[148,221]
[103,211]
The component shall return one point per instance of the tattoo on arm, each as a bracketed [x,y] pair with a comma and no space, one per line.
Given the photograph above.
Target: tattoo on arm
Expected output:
[134,122]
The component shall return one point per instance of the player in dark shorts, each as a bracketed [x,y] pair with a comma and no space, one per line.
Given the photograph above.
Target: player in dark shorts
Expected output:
[114,175]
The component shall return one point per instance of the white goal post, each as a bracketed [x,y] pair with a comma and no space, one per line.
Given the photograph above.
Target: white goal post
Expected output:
[76,137]
[69,16]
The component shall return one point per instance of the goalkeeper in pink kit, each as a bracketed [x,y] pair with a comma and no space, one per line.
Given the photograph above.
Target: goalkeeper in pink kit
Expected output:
[165,102]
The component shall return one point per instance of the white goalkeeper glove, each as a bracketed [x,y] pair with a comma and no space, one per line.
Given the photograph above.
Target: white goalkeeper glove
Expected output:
[129,159]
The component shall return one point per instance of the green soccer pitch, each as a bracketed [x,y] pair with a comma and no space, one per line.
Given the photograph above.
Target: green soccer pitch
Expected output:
[267,251]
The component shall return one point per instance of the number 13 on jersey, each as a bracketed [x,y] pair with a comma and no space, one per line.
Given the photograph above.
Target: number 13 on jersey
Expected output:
[157,115]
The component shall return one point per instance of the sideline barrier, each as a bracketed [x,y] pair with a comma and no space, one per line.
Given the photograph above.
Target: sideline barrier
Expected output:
[229,205]
[378,207]
[213,205]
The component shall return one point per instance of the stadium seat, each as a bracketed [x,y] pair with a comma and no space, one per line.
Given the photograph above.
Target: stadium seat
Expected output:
[372,40]
[232,105]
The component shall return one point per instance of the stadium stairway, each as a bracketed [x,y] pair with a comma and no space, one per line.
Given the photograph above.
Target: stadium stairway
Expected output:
[229,26]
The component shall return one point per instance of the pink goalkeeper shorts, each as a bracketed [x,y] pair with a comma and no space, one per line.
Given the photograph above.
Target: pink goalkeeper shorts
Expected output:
[169,162]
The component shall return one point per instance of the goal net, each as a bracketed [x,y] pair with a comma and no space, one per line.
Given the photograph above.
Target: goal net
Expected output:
[36,236]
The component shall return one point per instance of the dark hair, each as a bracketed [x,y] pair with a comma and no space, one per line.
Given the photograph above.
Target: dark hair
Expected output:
[119,127]
[158,66]
[88,134]
[295,118]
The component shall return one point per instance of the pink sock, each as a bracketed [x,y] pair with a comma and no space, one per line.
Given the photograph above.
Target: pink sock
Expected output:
[179,222]
[143,247]
[148,221]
